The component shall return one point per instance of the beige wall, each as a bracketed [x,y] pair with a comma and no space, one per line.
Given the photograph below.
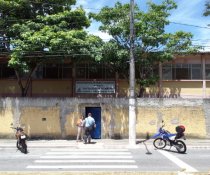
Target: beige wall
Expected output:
[208,88]
[148,120]
[9,87]
[56,118]
[6,119]
[182,88]
[123,88]
[174,89]
[52,87]
[41,122]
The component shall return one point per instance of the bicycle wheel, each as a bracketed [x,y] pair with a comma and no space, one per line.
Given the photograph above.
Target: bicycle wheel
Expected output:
[180,146]
[159,143]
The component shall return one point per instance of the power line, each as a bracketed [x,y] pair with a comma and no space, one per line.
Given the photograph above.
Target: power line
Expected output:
[190,25]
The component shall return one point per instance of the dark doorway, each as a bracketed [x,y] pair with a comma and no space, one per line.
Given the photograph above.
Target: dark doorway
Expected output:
[96,114]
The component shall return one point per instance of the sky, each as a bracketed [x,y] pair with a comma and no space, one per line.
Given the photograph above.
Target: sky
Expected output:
[188,12]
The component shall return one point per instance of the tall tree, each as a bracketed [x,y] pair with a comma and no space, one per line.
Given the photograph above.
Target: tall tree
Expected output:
[207,8]
[152,43]
[39,30]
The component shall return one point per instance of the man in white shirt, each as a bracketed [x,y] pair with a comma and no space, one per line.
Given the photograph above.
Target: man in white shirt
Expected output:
[89,125]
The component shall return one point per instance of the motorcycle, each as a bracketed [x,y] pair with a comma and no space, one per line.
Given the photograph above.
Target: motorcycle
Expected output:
[21,139]
[164,138]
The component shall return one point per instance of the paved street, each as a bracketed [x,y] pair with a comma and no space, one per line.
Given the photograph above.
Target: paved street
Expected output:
[99,156]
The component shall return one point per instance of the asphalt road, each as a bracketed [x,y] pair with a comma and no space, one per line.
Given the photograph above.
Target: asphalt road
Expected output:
[145,158]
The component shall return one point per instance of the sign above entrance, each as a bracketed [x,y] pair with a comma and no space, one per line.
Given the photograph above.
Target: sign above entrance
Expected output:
[92,87]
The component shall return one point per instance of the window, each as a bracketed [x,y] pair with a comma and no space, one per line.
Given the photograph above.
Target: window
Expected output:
[208,71]
[94,71]
[66,71]
[55,71]
[182,72]
[110,74]
[81,71]
[145,72]
[167,72]
[196,72]
[51,71]
[6,72]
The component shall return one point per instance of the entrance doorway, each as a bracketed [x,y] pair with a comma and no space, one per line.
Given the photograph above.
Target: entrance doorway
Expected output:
[96,114]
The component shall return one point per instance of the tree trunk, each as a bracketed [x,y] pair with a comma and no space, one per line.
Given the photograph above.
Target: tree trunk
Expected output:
[141,91]
[24,89]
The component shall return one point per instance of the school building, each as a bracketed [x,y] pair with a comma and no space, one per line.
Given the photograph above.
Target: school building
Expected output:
[183,77]
[59,93]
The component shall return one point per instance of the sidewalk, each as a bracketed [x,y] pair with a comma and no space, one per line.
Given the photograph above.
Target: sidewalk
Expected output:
[101,143]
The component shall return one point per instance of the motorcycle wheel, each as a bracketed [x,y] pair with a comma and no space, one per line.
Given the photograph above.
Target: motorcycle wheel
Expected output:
[24,147]
[180,146]
[159,143]
[18,145]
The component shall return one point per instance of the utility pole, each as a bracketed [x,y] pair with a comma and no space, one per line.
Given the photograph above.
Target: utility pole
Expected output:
[132,100]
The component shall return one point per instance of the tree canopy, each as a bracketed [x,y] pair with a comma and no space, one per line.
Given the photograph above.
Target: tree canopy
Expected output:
[207,9]
[152,43]
[35,31]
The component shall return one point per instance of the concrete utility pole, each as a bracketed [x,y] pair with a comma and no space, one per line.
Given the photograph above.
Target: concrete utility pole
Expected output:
[132,100]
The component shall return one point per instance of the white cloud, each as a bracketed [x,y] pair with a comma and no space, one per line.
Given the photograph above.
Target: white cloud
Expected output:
[102,35]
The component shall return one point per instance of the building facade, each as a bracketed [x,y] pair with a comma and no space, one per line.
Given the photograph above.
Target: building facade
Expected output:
[185,77]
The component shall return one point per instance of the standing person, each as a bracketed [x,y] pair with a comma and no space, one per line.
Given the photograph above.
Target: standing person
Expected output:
[89,125]
[80,126]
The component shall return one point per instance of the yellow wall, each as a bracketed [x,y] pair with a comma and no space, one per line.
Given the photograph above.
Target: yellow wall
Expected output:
[123,88]
[6,118]
[182,88]
[41,122]
[64,88]
[149,120]
[46,122]
[9,87]
[50,87]
[208,88]
[70,125]
[120,115]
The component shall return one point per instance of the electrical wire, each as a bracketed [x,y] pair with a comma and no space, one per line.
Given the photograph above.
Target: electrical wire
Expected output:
[191,25]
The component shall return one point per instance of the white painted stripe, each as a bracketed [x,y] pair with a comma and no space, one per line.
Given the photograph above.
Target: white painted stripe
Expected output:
[88,153]
[83,167]
[178,162]
[86,156]
[85,161]
[85,150]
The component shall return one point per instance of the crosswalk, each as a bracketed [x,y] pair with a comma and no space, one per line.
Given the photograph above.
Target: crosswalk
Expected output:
[85,159]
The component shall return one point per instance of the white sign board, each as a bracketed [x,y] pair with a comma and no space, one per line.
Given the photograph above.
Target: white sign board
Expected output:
[99,87]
